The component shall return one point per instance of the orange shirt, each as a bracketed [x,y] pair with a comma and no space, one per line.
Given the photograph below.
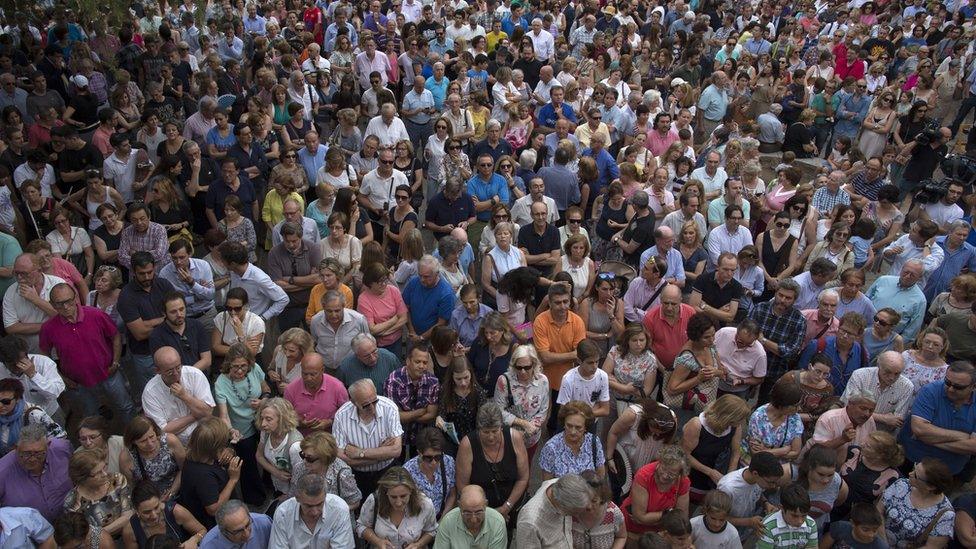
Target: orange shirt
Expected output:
[315,299]
[557,338]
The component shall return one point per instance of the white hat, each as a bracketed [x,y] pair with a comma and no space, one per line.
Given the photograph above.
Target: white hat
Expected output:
[677,81]
[79,81]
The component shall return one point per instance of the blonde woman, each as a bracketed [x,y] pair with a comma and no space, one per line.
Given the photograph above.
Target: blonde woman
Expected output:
[706,437]
[396,508]
[522,393]
[279,448]
[286,360]
[318,455]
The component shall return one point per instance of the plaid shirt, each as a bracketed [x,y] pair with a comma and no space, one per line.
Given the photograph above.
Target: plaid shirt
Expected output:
[824,201]
[153,241]
[412,395]
[787,330]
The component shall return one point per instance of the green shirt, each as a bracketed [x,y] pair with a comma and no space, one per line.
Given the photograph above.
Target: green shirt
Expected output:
[351,369]
[237,395]
[780,535]
[452,534]
[818,104]
[9,250]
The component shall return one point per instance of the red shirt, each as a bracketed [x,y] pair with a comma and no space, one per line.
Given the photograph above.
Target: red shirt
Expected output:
[322,405]
[656,501]
[84,347]
[667,340]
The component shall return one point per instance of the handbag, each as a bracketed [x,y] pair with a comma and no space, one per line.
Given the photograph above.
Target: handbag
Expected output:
[923,538]
[694,399]
[958,91]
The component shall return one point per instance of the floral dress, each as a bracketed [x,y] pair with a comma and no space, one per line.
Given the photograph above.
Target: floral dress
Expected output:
[434,490]
[557,459]
[631,369]
[903,522]
[603,534]
[529,401]
[161,470]
[920,374]
[105,510]
[761,430]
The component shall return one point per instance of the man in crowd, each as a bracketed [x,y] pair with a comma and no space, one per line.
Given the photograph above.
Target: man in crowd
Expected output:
[141,307]
[265,298]
[334,327]
[367,361]
[902,294]
[822,321]
[415,392]
[472,523]
[521,214]
[26,303]
[194,279]
[557,332]
[368,434]
[644,293]
[142,235]
[892,390]
[312,517]
[743,358]
[667,325]
[546,520]
[781,331]
[851,425]
[813,281]
[184,334]
[238,528]
[292,265]
[315,395]
[429,298]
[178,396]
[717,293]
[35,473]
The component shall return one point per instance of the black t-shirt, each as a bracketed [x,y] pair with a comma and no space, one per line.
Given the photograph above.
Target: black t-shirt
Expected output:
[797,135]
[923,162]
[530,69]
[640,230]
[877,46]
[86,108]
[75,160]
[714,295]
[201,486]
[191,344]
[429,30]
[537,244]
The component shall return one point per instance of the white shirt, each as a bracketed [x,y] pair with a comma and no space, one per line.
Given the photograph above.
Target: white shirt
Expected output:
[380,190]
[253,325]
[712,183]
[388,135]
[122,173]
[17,309]
[24,172]
[162,407]
[591,391]
[43,389]
[348,428]
[728,538]
[265,298]
[410,528]
[522,210]
[543,44]
[745,496]
[333,530]
[942,214]
[310,231]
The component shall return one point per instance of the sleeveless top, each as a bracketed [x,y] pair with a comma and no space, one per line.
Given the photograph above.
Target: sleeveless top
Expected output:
[499,478]
[709,451]
[93,221]
[161,470]
[395,229]
[775,261]
[599,322]
[504,262]
[609,214]
[581,274]
[173,529]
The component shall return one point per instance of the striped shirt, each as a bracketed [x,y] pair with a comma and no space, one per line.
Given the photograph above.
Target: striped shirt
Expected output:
[348,428]
[781,535]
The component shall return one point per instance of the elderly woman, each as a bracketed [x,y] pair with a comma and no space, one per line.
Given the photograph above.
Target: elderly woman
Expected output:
[210,472]
[398,513]
[286,360]
[693,382]
[959,298]
[775,427]
[382,305]
[103,497]
[869,471]
[658,487]
[917,507]
[93,433]
[433,470]
[318,453]
[154,517]
[279,448]
[237,324]
[239,390]
[152,455]
[707,439]
[330,273]
[576,449]
[16,413]
[522,393]
[494,457]
[503,257]
[926,363]
[342,246]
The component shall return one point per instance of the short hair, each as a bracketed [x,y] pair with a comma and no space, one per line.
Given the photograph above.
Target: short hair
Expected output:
[311,484]
[865,514]
[557,290]
[572,492]
[765,465]
[795,497]
[822,267]
[71,526]
[854,320]
[717,501]
[141,259]
[430,438]
[963,367]
[698,324]
[234,352]
[790,285]
[233,252]
[14,386]
[229,507]
[576,408]
[785,393]
[83,462]
[489,416]
[290,228]
[180,244]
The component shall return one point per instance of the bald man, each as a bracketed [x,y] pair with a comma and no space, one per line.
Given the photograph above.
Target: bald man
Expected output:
[472,523]
[178,396]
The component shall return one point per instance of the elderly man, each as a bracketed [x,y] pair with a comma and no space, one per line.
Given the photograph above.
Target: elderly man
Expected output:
[292,265]
[742,357]
[368,434]
[367,361]
[387,127]
[942,421]
[664,248]
[643,293]
[713,102]
[311,157]
[141,307]
[893,391]
[493,145]
[960,256]
[415,391]
[179,332]
[292,211]
[429,298]
[369,61]
[594,126]
[902,294]
[564,131]
[312,518]
[472,523]
[416,111]
[334,327]
[265,298]
[717,293]
[194,279]
[316,396]
[831,195]
[12,95]
[712,175]
[822,321]
[378,191]
[178,396]
[557,332]
[546,520]
[25,303]
[561,184]
[35,474]
[772,131]
[813,281]
[687,211]
[866,185]
[918,244]
[781,331]
[521,214]
[487,189]
[667,325]
[238,528]
[841,427]
[142,235]
[201,122]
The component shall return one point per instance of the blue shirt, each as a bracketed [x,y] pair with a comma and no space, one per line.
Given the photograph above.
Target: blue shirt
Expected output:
[481,190]
[713,103]
[841,370]
[311,162]
[852,105]
[508,25]
[952,265]
[547,114]
[676,263]
[332,32]
[439,91]
[933,405]
[606,166]
[23,527]
[440,48]
[260,536]
[428,305]
[909,302]
[467,327]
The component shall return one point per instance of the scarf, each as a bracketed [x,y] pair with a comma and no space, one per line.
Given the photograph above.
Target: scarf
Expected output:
[12,424]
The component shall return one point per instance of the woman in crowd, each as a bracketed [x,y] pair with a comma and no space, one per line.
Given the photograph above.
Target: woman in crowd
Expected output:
[522,393]
[631,367]
[491,352]
[319,456]
[576,261]
[693,382]
[321,208]
[882,336]
[239,391]
[602,525]
[693,255]
[94,434]
[494,457]
[398,513]
[382,305]
[775,427]
[959,298]
[37,210]
[152,455]
[711,441]
[279,447]
[640,431]
[603,313]
[500,213]
[237,324]
[105,295]
[342,246]
[432,470]
[403,218]
[71,243]
[290,170]
[817,472]
[221,137]
[95,194]
[170,210]
[293,345]
[16,413]
[815,387]
[503,257]
[450,250]
[888,217]
[836,247]
[778,253]
[154,517]
[610,219]
[917,508]
[330,272]
[108,237]
[238,228]
[657,488]
[406,161]
[869,471]
[576,449]
[103,497]
[774,201]
[927,361]
[211,471]
[461,397]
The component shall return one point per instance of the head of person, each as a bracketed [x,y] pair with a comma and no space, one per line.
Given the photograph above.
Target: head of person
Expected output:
[169,365]
[429,271]
[728,265]
[276,417]
[418,361]
[822,270]
[32,448]
[765,470]
[313,370]
[785,397]
[575,417]
[931,477]
[473,504]
[318,451]
[795,500]
[911,273]
[362,394]
[571,495]
[397,491]
[560,299]
[860,406]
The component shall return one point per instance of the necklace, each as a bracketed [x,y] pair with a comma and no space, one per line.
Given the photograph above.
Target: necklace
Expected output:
[247,395]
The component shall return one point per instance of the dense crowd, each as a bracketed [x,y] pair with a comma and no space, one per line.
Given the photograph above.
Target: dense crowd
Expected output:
[487,273]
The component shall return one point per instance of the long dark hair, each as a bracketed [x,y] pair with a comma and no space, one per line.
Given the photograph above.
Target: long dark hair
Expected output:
[659,415]
[449,403]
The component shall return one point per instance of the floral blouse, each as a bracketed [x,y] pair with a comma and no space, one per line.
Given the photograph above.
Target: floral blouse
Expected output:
[106,510]
[557,459]
[631,369]
[603,534]
[772,437]
[920,374]
[339,481]
[434,490]
[243,232]
[36,416]
[525,401]
[903,522]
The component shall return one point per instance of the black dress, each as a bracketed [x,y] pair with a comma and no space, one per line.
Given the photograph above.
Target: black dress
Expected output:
[498,478]
[774,261]
[38,221]
[711,451]
[173,531]
[201,486]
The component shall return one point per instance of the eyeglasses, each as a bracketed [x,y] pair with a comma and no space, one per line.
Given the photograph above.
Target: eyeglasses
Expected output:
[432,459]
[783,225]
[501,216]
[240,530]
[957,386]
[574,221]
[386,162]
[485,164]
[454,147]
[306,457]
[369,404]
[523,368]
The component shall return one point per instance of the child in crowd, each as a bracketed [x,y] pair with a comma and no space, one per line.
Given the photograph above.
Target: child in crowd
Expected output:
[586,382]
[713,529]
[791,527]
[861,532]
[861,236]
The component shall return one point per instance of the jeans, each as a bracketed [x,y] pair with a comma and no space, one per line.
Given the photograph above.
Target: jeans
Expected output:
[114,390]
[143,369]
[968,104]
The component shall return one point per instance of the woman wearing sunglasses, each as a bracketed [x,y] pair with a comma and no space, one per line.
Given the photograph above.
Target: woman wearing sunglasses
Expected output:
[236,324]
[318,455]
[778,253]
[433,470]
[16,413]
[290,169]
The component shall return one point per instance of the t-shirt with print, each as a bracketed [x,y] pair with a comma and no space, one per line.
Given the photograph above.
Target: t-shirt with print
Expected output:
[591,391]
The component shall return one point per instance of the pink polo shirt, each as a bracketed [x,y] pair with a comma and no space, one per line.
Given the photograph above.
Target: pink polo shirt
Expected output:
[831,425]
[379,309]
[84,347]
[740,363]
[657,144]
[321,405]
[815,327]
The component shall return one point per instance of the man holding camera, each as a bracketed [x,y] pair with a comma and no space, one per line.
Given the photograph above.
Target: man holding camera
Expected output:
[923,155]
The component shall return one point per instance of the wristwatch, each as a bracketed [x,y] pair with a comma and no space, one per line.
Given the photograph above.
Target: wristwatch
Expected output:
[362,454]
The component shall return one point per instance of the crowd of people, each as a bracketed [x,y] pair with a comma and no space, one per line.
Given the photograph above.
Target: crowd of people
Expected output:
[487,273]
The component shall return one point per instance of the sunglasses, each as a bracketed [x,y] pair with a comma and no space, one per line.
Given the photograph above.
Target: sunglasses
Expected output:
[523,368]
[485,164]
[432,459]
[606,276]
[455,147]
[574,221]
[783,225]
[291,156]
[501,217]
[307,457]
[957,386]
[386,162]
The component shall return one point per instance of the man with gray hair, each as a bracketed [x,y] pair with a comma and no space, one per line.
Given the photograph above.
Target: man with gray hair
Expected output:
[521,213]
[472,523]
[334,327]
[546,520]
[292,211]
[237,528]
[368,433]
[542,43]
[894,392]
[822,321]
[199,123]
[312,519]
[35,474]
[429,299]
[903,294]
[841,427]
[772,131]
[959,256]
[293,265]
[367,361]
